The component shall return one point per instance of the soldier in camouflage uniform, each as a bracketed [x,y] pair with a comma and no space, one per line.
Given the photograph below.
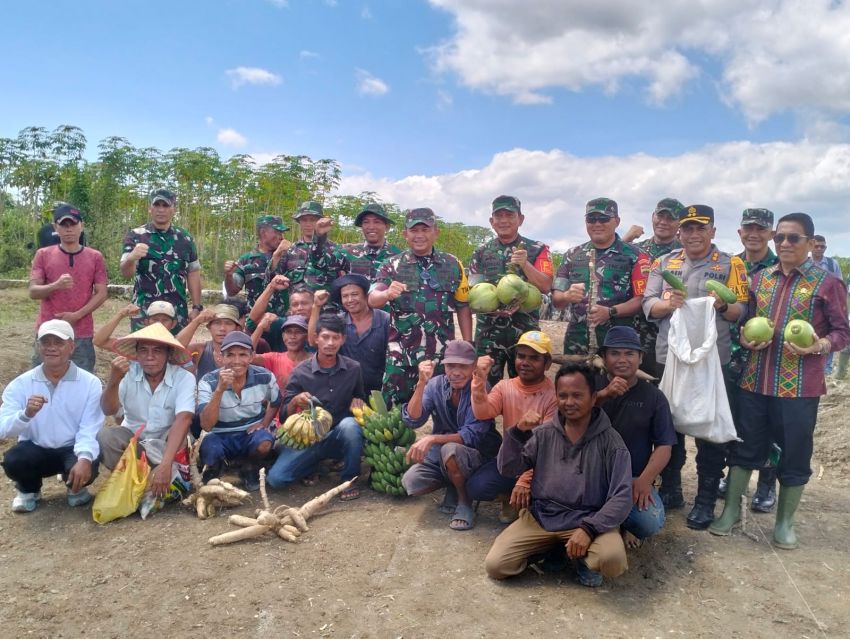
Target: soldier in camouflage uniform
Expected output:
[250,269]
[313,260]
[422,286]
[619,279]
[756,232]
[665,226]
[508,252]
[164,260]
[365,258]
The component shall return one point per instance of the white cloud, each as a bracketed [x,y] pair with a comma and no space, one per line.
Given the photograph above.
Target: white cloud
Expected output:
[209,120]
[231,137]
[251,75]
[304,54]
[554,186]
[366,12]
[773,56]
[368,84]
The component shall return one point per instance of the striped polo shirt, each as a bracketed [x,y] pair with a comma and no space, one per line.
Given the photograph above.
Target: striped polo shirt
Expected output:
[239,412]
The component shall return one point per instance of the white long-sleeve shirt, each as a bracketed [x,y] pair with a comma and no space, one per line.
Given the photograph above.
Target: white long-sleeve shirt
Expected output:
[71,416]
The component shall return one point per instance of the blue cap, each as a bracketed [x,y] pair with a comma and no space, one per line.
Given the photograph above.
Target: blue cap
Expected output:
[236,338]
[622,337]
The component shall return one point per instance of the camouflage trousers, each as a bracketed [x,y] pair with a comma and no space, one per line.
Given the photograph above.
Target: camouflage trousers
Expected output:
[401,371]
[495,335]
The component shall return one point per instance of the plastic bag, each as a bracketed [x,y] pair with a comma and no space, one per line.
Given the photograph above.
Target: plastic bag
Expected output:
[693,377]
[178,489]
[122,492]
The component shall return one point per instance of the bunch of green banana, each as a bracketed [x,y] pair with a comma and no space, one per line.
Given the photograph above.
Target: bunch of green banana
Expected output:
[388,429]
[388,465]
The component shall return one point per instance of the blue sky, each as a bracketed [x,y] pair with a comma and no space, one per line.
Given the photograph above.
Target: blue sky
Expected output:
[450,102]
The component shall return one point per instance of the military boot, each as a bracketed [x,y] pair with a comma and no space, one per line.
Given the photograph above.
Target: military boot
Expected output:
[736,485]
[764,499]
[671,489]
[783,532]
[702,514]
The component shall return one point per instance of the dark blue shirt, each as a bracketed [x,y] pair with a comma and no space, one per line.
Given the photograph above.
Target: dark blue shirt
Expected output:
[437,404]
[334,388]
[369,348]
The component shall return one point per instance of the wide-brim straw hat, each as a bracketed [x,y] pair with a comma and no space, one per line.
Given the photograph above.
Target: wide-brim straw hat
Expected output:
[126,346]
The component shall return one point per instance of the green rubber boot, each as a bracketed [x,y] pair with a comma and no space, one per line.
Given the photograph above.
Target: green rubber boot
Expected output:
[843,360]
[736,485]
[783,532]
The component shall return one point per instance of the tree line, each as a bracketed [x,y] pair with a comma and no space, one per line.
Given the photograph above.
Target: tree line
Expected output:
[218,198]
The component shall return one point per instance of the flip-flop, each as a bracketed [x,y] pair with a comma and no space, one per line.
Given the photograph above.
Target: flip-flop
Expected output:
[449,503]
[350,494]
[464,514]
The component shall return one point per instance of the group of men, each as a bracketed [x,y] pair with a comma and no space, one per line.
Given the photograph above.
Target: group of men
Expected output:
[576,464]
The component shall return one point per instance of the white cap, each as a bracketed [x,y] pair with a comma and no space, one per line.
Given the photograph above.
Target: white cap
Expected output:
[161,307]
[59,328]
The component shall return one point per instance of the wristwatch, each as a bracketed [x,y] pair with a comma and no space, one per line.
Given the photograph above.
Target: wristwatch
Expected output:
[197,307]
[722,309]
[612,312]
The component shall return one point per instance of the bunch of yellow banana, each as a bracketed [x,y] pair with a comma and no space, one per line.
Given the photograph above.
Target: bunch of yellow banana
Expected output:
[361,414]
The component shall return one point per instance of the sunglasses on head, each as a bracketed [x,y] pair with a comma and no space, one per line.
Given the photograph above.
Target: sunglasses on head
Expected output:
[792,238]
[597,219]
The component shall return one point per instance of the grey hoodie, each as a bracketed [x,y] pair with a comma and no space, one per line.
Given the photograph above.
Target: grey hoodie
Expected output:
[585,485]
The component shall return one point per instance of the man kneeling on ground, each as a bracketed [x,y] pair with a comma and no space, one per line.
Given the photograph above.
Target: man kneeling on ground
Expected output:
[54,411]
[336,381]
[236,405]
[529,396]
[155,392]
[582,487]
[641,414]
[459,443]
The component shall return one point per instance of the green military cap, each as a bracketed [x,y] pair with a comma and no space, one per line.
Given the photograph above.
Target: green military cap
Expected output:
[163,195]
[507,203]
[309,208]
[273,221]
[602,205]
[699,213]
[762,217]
[372,208]
[412,217]
[669,205]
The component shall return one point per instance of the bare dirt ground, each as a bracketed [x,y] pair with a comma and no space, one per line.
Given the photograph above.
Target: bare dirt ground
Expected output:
[389,567]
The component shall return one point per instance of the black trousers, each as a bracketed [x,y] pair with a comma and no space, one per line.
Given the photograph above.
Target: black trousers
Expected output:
[788,421]
[27,464]
[711,457]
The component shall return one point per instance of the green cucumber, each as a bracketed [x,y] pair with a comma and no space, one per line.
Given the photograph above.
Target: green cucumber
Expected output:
[674,281]
[722,291]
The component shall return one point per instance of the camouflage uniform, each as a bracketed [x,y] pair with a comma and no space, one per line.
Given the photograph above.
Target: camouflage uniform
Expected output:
[495,334]
[649,330]
[161,275]
[421,320]
[250,273]
[365,260]
[764,218]
[621,272]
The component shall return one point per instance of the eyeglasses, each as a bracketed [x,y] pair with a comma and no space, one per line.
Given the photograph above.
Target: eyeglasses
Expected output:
[427,278]
[597,219]
[792,238]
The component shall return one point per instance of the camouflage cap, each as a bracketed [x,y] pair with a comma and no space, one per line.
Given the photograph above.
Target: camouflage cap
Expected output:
[163,195]
[274,221]
[412,217]
[373,208]
[762,217]
[699,213]
[507,203]
[669,205]
[602,205]
[309,208]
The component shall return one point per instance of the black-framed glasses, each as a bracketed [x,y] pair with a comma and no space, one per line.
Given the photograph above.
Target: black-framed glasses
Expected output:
[791,238]
[427,278]
[597,219]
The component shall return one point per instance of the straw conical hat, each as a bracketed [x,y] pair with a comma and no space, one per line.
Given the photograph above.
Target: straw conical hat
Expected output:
[155,332]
